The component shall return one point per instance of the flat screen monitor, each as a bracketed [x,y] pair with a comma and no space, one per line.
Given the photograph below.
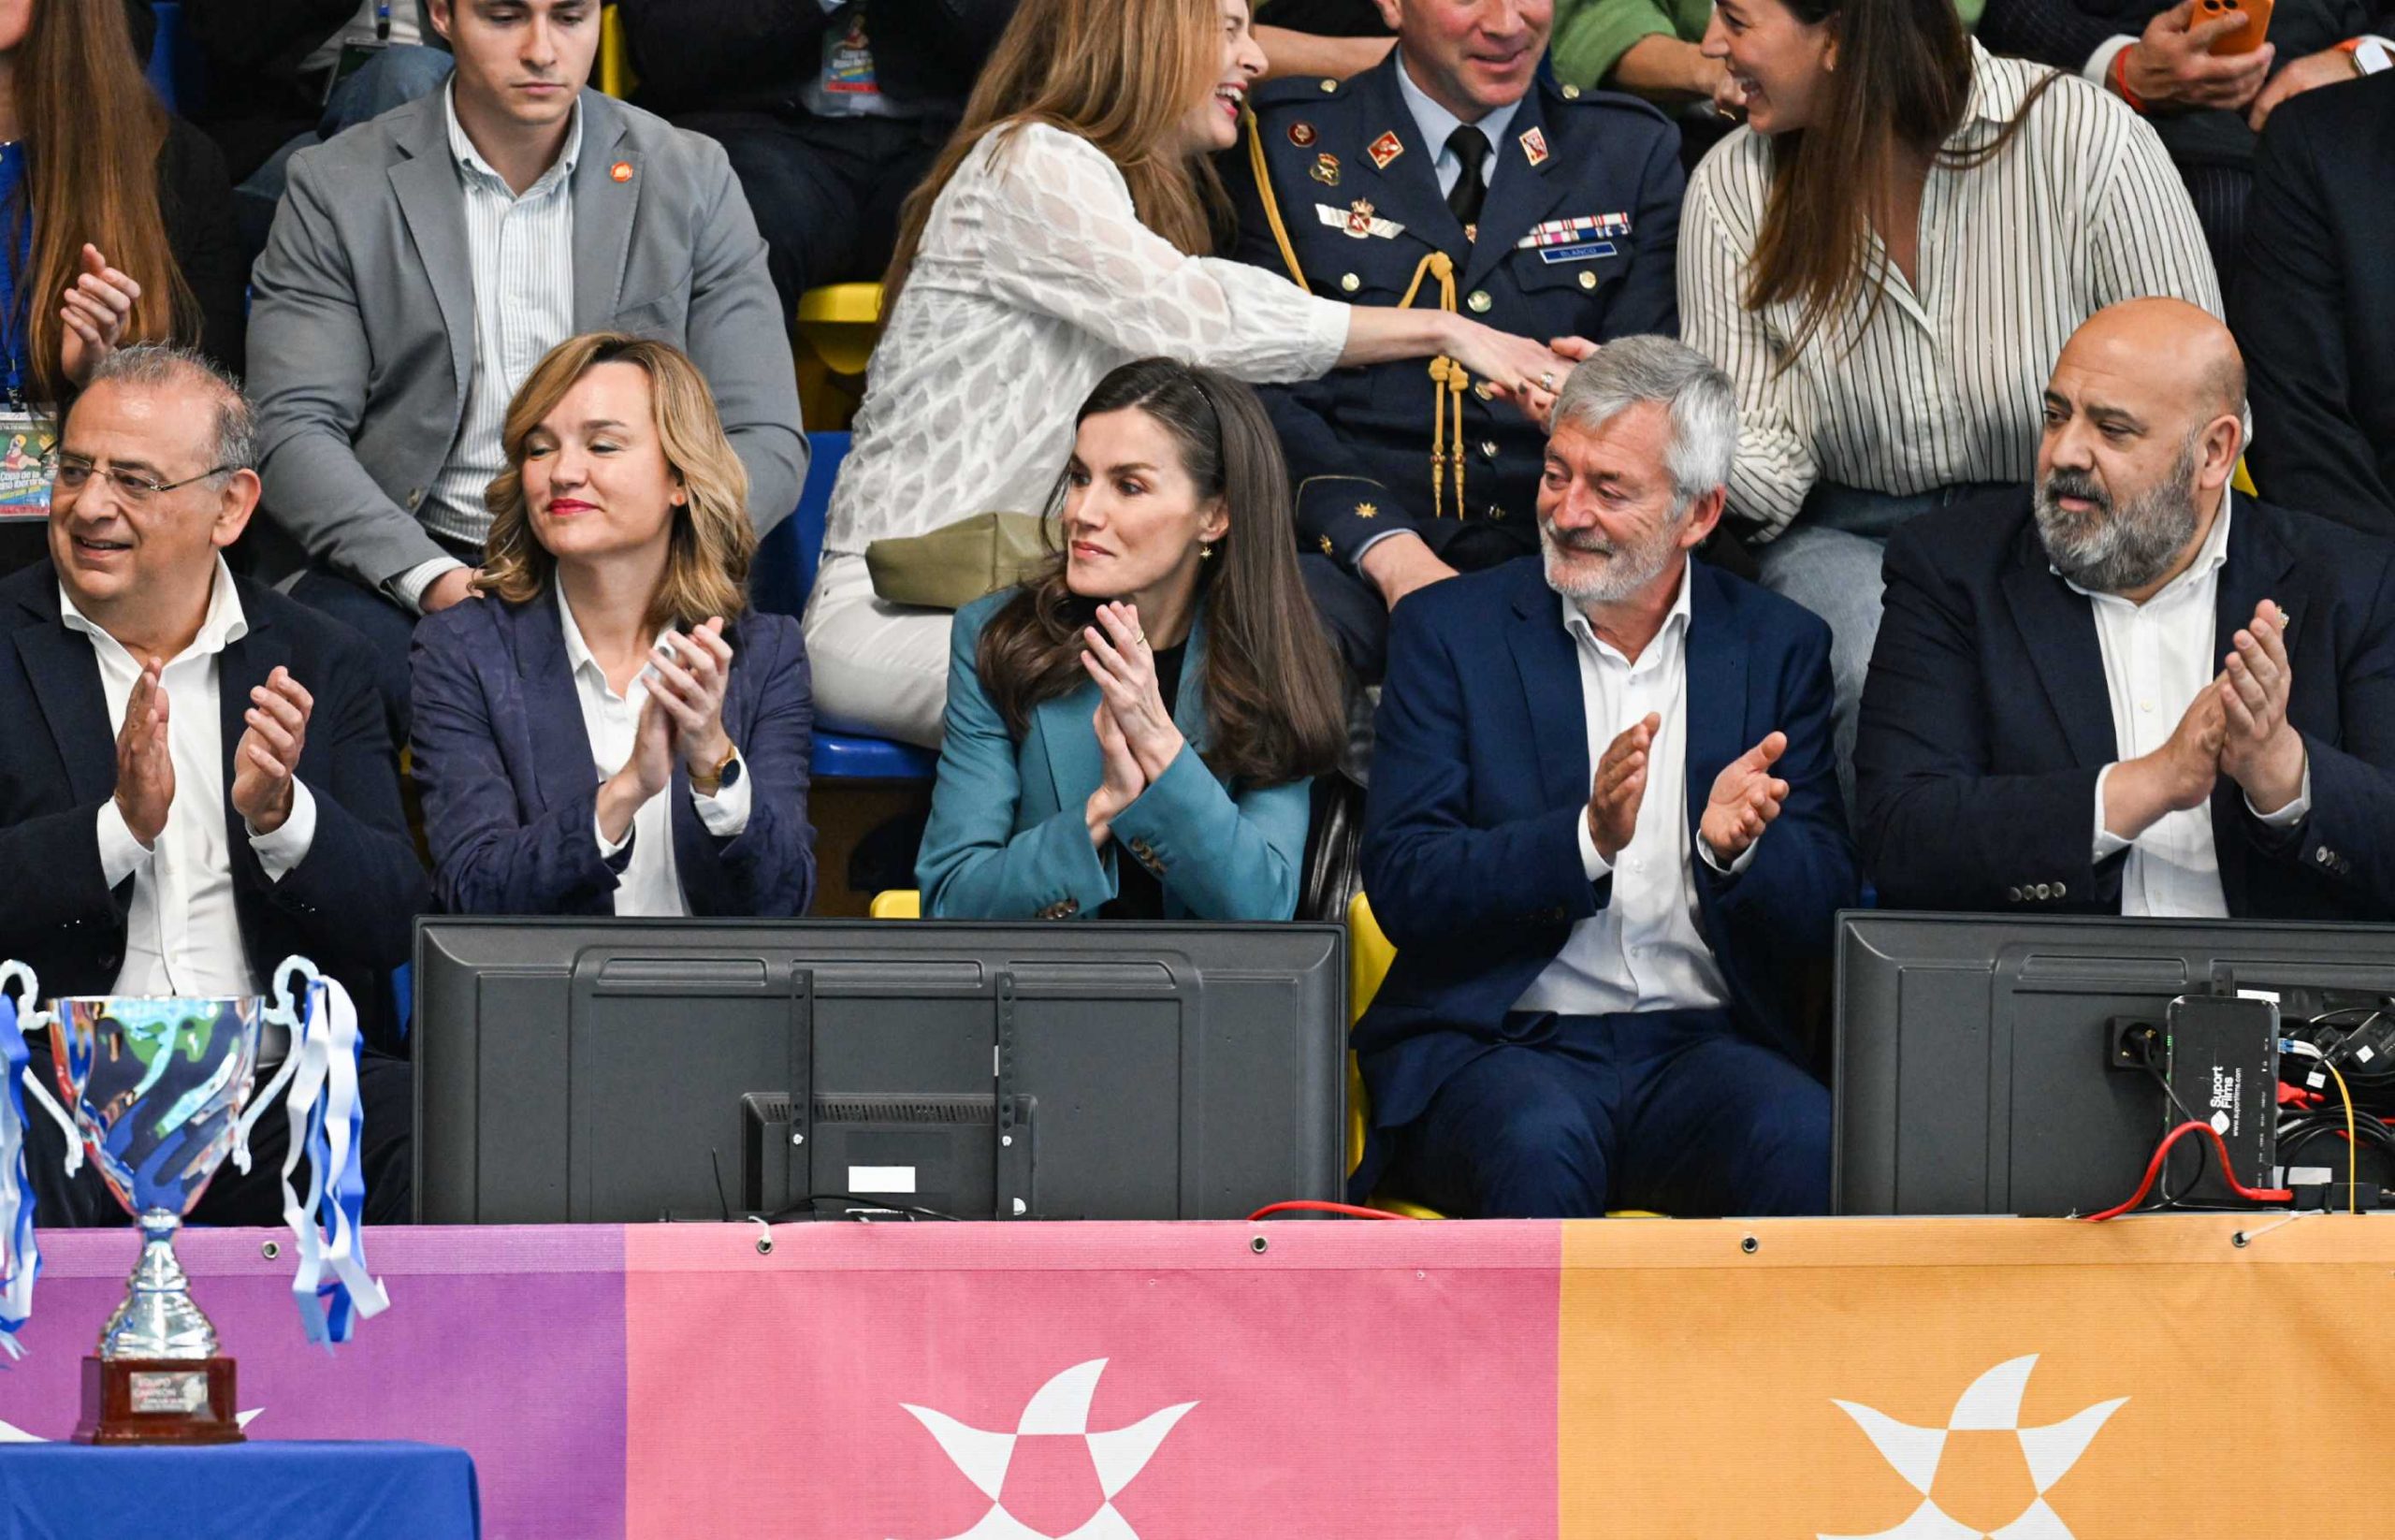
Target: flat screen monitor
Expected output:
[1971,1069]
[629,1071]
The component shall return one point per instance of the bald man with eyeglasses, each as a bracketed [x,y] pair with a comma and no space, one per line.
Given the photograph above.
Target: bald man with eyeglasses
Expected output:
[196,781]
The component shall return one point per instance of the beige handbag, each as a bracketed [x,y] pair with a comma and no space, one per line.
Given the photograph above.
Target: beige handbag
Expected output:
[957,563]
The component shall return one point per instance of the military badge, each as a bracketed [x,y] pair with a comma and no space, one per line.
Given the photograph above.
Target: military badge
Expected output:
[1385,149]
[1534,146]
[1359,220]
[1301,133]
[1326,169]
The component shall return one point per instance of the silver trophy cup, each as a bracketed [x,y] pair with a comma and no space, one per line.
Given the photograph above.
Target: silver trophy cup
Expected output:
[156,1089]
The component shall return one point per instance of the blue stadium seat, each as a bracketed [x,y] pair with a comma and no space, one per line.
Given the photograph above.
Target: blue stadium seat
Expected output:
[783,577]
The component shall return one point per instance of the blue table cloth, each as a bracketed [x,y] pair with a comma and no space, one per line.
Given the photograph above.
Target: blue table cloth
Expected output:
[262,1490]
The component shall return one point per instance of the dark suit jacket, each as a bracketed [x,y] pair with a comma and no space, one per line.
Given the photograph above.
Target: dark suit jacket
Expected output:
[509,789]
[195,198]
[1985,721]
[350,907]
[692,55]
[2314,304]
[2066,33]
[1482,768]
[1359,439]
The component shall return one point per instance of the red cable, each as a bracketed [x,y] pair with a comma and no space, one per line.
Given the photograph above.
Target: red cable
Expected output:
[2162,1153]
[1309,1205]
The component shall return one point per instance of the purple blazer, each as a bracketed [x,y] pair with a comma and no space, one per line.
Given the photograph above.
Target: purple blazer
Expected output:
[511,792]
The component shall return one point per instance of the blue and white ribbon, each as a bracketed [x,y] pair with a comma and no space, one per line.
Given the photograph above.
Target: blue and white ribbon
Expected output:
[329,1225]
[19,1254]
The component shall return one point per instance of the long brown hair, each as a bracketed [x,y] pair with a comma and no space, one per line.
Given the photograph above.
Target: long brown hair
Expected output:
[94,133]
[1273,709]
[1903,84]
[707,561]
[1122,74]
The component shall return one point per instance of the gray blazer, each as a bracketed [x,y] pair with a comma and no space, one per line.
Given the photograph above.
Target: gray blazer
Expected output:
[361,326]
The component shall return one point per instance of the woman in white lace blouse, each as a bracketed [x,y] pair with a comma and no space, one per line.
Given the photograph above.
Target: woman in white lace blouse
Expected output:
[1059,237]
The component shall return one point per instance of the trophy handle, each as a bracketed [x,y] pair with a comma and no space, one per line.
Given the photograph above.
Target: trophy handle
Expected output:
[290,1010]
[30,1020]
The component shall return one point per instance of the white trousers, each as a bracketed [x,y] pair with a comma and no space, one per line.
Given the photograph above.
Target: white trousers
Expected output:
[879,668]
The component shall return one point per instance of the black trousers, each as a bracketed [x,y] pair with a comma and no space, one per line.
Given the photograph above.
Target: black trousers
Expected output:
[825,190]
[386,1153]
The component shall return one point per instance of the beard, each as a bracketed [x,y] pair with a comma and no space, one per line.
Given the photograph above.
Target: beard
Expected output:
[1621,567]
[2111,548]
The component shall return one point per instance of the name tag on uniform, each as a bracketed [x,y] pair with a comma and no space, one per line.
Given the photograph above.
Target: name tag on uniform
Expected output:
[1588,253]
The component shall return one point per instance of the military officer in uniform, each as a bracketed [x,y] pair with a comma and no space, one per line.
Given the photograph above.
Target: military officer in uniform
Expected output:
[1457,173]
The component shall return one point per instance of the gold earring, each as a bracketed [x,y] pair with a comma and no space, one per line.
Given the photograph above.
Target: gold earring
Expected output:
[1205,550]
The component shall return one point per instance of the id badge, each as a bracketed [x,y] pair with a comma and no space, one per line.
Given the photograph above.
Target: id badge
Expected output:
[28,448]
[847,60]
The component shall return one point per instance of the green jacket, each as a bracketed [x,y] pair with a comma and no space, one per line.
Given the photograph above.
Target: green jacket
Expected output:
[1592,36]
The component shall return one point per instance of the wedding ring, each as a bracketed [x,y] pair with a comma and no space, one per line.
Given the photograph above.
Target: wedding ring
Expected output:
[1547,381]
[1139,639]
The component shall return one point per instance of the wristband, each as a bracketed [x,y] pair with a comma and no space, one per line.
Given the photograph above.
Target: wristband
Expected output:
[2121,81]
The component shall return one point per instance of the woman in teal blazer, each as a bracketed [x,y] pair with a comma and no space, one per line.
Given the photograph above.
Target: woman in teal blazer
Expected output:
[1133,733]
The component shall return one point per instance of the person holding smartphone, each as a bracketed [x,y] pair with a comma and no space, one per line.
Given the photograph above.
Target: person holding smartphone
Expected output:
[2207,73]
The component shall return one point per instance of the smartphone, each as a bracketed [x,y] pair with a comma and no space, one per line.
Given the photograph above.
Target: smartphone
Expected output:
[2243,39]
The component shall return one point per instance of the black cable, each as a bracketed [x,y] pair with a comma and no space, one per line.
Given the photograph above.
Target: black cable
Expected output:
[2166,1197]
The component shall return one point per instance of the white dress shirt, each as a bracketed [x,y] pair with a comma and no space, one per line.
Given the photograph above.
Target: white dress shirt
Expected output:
[1945,381]
[648,882]
[1035,278]
[1644,950]
[521,249]
[1437,124]
[2158,656]
[182,934]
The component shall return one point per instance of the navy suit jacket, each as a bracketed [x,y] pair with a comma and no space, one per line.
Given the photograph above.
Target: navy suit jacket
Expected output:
[1358,440]
[1482,768]
[510,789]
[1986,720]
[350,907]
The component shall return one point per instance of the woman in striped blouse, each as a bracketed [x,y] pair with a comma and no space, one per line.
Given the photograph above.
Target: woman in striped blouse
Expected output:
[1887,260]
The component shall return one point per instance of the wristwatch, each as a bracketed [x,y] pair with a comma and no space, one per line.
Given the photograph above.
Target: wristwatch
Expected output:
[725,775]
[2369,55]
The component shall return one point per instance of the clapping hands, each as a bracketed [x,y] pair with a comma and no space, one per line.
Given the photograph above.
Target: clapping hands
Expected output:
[1135,734]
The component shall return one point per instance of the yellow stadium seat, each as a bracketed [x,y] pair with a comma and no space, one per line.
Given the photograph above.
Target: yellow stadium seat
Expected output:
[615,77]
[2243,480]
[838,326]
[897,904]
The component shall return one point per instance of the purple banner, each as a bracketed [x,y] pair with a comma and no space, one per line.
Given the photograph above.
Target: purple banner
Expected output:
[508,1344]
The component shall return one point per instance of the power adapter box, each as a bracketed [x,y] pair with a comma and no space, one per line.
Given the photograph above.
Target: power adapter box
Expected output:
[2224,1057]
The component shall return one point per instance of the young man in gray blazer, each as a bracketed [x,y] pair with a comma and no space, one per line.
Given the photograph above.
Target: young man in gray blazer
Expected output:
[422,264]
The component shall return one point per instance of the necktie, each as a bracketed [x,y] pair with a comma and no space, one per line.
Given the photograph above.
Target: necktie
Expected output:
[1470,146]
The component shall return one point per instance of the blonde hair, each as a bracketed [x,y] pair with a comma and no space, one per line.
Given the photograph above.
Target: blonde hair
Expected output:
[1122,74]
[706,565]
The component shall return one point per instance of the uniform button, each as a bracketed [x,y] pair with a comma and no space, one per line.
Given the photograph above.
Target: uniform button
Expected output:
[2013,896]
[1328,86]
[2045,890]
[1488,449]
[1350,283]
[1570,92]
[1480,302]
[2323,855]
[2061,891]
[1587,280]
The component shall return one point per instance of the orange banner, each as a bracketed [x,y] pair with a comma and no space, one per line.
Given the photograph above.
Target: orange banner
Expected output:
[1950,1379]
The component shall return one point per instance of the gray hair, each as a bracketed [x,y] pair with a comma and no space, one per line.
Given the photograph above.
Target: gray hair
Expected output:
[1703,407]
[158,366]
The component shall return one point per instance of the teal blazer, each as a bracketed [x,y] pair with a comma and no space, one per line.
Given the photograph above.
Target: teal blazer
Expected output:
[1006,840]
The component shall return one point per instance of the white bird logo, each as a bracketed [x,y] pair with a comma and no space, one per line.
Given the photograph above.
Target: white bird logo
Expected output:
[1059,1406]
[1992,1405]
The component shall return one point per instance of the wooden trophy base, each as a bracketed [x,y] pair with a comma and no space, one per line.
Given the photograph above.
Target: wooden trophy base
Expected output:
[157,1401]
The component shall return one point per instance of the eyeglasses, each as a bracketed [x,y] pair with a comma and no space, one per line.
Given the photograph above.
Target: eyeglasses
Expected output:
[72,474]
